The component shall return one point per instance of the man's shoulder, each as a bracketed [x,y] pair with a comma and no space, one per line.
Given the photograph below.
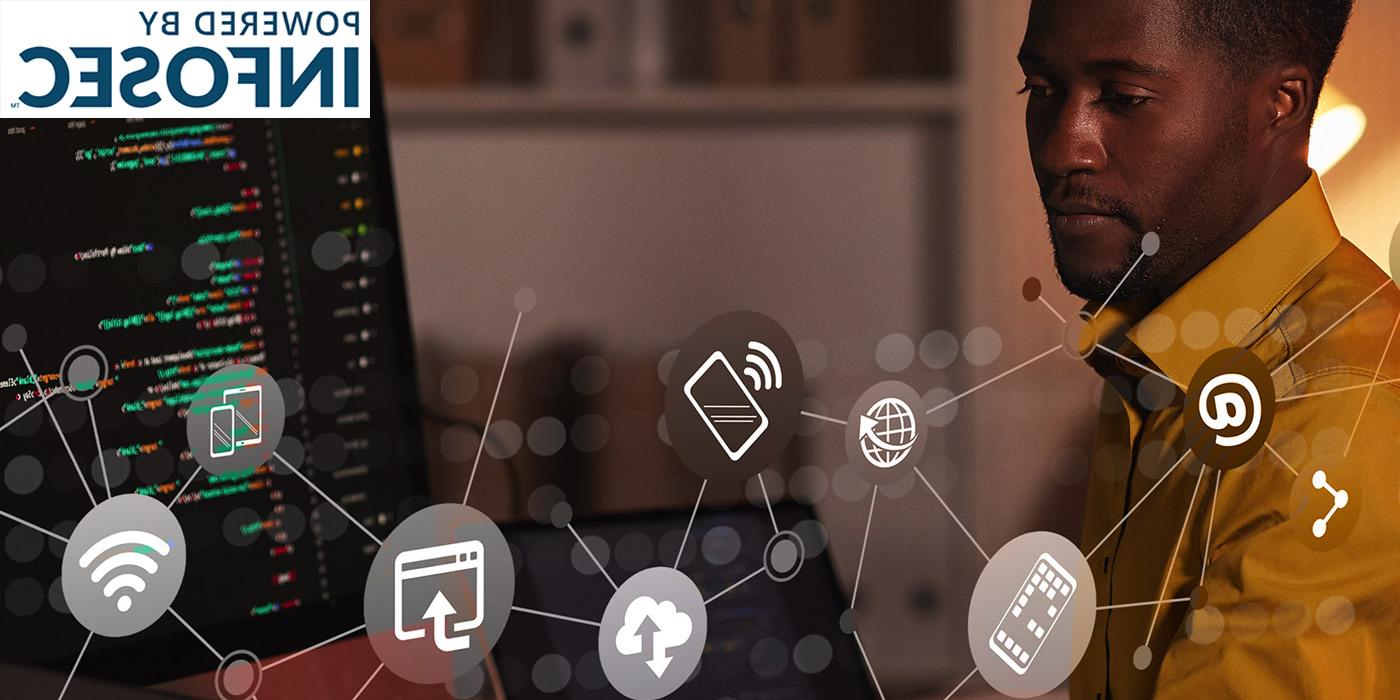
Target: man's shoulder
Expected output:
[1338,329]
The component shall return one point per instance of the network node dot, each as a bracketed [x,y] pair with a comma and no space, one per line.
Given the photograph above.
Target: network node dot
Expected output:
[1080,336]
[1199,597]
[1031,290]
[1151,243]
[561,514]
[848,621]
[525,300]
[783,556]
[1142,657]
[15,337]
[239,676]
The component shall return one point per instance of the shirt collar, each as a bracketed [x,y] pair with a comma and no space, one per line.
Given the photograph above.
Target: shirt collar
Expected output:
[1240,288]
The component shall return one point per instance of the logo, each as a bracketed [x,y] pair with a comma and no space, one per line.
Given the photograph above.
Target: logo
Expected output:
[651,628]
[237,422]
[1035,608]
[434,565]
[1340,498]
[724,402]
[82,59]
[136,545]
[124,565]
[887,432]
[1229,408]
[734,396]
[1325,504]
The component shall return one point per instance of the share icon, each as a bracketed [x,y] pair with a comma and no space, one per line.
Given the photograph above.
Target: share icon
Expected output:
[1339,501]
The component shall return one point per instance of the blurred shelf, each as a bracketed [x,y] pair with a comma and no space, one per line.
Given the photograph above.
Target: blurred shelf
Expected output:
[517,106]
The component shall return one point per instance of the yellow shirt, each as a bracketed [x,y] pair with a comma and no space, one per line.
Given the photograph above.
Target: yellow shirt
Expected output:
[1278,618]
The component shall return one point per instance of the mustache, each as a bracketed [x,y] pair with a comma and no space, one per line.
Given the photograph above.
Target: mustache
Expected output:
[1065,191]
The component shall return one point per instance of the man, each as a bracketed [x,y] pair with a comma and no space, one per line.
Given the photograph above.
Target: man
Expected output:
[1169,139]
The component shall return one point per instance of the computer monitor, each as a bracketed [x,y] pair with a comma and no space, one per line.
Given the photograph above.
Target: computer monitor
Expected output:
[176,248]
[778,641]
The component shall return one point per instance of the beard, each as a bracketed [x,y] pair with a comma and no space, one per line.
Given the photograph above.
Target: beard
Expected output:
[1206,198]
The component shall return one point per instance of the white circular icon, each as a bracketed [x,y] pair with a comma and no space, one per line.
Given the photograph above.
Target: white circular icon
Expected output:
[123,565]
[653,634]
[1224,410]
[885,433]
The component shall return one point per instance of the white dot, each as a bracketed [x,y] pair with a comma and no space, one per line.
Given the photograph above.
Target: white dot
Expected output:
[124,603]
[503,440]
[938,349]
[1151,243]
[459,384]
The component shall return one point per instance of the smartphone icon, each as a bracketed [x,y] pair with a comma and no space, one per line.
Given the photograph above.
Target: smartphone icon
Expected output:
[246,403]
[221,421]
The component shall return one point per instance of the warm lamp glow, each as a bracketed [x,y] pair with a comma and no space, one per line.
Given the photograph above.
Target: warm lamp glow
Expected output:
[1336,129]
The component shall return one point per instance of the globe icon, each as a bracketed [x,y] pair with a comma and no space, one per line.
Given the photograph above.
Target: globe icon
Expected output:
[887,432]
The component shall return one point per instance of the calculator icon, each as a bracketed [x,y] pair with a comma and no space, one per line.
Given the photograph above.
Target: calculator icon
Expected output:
[1034,609]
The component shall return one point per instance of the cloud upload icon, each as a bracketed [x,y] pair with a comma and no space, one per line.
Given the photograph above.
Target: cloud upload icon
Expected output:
[657,626]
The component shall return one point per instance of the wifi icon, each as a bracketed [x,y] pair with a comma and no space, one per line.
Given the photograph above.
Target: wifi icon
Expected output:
[135,558]
[123,565]
[762,367]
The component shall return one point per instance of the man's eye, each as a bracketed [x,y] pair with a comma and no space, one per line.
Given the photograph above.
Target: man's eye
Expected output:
[1122,99]
[1036,90]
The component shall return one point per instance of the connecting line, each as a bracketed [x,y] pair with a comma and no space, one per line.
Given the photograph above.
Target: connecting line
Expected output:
[818,416]
[1137,364]
[371,678]
[1119,286]
[1053,311]
[1166,575]
[74,670]
[491,412]
[1143,604]
[1338,390]
[768,502]
[22,521]
[59,429]
[23,413]
[1145,496]
[686,537]
[952,515]
[1377,376]
[955,399]
[736,584]
[1210,525]
[1329,328]
[193,475]
[328,499]
[197,635]
[960,684]
[860,566]
[314,647]
[553,616]
[1280,458]
[596,563]
[866,659]
[102,458]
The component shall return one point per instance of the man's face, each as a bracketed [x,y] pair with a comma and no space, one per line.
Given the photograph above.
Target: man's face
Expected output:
[1132,128]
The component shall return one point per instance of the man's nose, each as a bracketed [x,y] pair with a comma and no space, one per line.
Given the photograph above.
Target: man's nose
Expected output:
[1074,142]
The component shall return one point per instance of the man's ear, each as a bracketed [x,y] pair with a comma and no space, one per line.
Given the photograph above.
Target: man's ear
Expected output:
[1289,98]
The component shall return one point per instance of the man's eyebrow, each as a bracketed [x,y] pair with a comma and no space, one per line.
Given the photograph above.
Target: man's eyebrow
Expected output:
[1127,65]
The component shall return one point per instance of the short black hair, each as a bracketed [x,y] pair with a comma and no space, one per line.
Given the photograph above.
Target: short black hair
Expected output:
[1252,34]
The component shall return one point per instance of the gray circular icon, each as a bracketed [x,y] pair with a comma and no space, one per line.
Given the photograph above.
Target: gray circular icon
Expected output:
[886,432]
[123,565]
[783,556]
[653,634]
[439,593]
[1032,614]
[734,396]
[235,419]
[239,676]
[84,371]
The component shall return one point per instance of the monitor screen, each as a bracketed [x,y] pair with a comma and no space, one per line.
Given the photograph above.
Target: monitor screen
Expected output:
[176,248]
[768,640]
